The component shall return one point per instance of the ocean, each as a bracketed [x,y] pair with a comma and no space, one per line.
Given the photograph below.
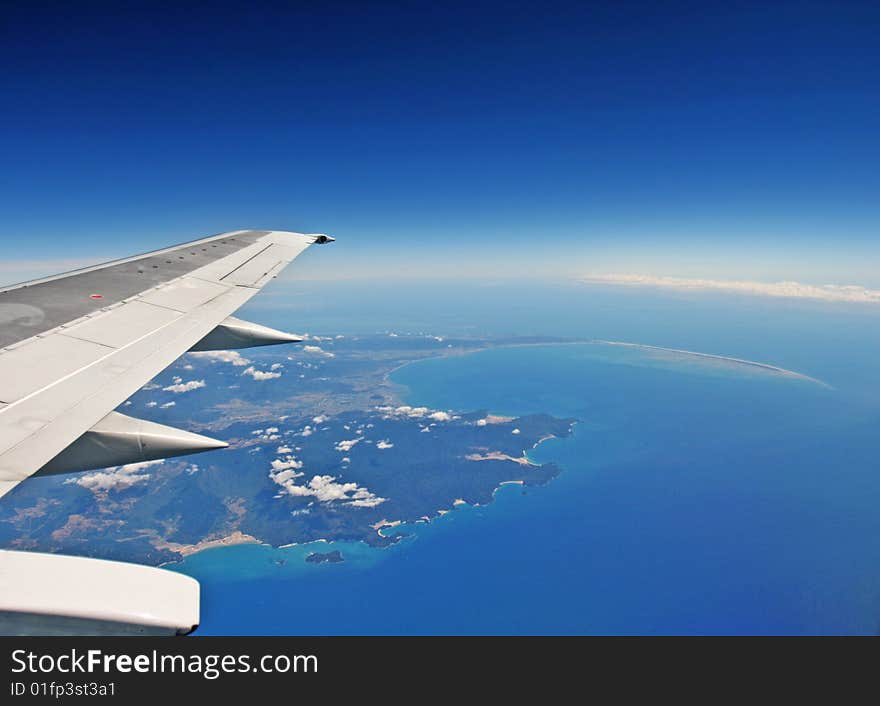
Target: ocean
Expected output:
[697,497]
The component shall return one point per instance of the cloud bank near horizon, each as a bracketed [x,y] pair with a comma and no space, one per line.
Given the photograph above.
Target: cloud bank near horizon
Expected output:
[785,289]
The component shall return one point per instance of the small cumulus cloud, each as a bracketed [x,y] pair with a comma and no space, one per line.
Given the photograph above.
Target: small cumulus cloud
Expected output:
[384,444]
[415,413]
[233,357]
[327,489]
[260,374]
[348,445]
[286,463]
[167,405]
[317,350]
[179,386]
[114,479]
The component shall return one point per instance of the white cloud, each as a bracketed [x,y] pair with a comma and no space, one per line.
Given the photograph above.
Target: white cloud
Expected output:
[268,434]
[288,462]
[152,404]
[317,350]
[260,374]
[307,431]
[283,450]
[320,419]
[168,404]
[348,445]
[275,366]
[795,290]
[286,479]
[384,444]
[415,413]
[233,357]
[482,422]
[180,387]
[117,478]
[326,489]
[515,431]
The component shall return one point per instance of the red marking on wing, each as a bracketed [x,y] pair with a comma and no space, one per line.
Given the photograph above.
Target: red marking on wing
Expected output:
[96,296]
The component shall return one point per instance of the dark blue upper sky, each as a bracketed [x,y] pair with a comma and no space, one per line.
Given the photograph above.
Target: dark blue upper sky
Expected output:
[715,139]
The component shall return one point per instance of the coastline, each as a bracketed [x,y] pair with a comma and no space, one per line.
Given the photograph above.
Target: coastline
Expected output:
[238,538]
[768,367]
[398,391]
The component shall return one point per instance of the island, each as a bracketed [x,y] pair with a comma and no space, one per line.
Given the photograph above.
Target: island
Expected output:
[323,446]
[333,557]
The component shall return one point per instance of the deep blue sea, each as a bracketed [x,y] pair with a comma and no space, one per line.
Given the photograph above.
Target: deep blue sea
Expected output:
[696,498]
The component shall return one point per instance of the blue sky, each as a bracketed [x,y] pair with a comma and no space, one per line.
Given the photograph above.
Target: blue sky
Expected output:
[480,139]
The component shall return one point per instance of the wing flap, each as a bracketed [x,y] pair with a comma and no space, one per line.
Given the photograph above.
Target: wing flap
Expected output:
[262,265]
[122,324]
[27,369]
[184,294]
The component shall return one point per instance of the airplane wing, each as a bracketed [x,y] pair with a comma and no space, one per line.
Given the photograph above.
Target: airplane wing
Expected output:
[76,346]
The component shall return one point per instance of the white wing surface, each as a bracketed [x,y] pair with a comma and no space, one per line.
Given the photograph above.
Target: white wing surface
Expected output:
[72,349]
[76,346]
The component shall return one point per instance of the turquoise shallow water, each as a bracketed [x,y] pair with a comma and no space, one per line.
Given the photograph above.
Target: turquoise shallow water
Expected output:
[695,498]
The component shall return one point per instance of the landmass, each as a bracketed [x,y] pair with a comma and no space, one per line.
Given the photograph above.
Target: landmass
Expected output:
[322,447]
[723,359]
[333,557]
